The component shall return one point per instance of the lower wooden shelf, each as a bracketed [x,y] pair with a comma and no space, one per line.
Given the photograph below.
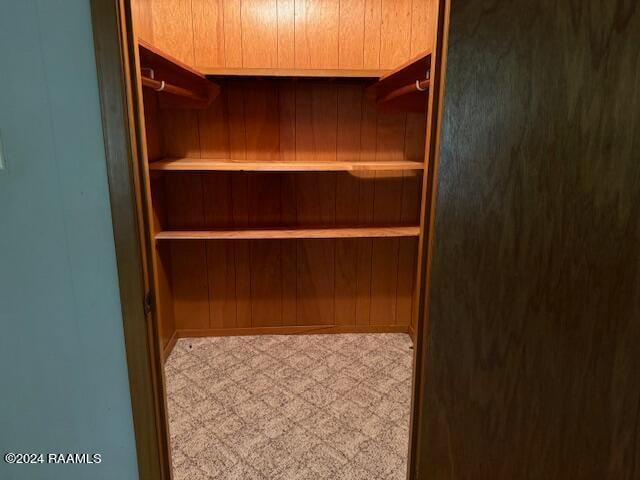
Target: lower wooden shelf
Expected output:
[211,164]
[283,233]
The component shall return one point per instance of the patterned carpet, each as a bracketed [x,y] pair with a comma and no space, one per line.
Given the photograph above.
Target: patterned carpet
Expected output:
[290,407]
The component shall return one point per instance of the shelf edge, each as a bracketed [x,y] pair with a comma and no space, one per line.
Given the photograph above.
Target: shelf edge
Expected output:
[197,164]
[301,233]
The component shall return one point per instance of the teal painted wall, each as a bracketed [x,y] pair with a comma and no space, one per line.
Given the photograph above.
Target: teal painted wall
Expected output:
[62,360]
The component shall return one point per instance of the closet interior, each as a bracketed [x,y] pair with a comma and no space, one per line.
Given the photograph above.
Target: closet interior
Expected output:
[284,163]
[285,157]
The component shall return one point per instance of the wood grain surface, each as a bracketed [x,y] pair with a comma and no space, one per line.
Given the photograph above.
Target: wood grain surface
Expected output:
[225,164]
[288,34]
[533,366]
[356,232]
[286,252]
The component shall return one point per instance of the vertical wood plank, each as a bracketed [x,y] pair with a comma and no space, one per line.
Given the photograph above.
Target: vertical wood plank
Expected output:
[232,33]
[410,211]
[395,33]
[243,268]
[220,254]
[180,133]
[235,115]
[240,187]
[266,283]
[384,281]
[423,25]
[349,118]
[316,33]
[365,249]
[316,121]
[368,143]
[144,22]
[415,137]
[390,140]
[222,284]
[261,120]
[316,138]
[315,285]
[162,265]
[208,33]
[346,254]
[316,199]
[190,285]
[372,21]
[188,259]
[265,208]
[315,259]
[158,199]
[166,314]
[173,29]
[266,261]
[368,130]
[152,126]
[213,129]
[387,210]
[286,33]
[287,130]
[287,118]
[288,249]
[184,201]
[259,33]
[347,198]
[162,258]
[407,248]
[351,35]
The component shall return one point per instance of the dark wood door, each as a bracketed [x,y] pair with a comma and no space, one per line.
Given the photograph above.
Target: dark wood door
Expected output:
[533,361]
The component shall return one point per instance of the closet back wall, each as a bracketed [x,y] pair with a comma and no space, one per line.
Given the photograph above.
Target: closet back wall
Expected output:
[288,34]
[217,287]
[343,284]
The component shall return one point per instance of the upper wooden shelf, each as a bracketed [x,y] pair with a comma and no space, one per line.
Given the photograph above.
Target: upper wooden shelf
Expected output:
[283,233]
[293,72]
[406,88]
[178,85]
[210,164]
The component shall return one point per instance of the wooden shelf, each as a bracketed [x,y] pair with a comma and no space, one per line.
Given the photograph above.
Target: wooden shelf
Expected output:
[178,85]
[293,72]
[153,57]
[406,88]
[283,233]
[211,164]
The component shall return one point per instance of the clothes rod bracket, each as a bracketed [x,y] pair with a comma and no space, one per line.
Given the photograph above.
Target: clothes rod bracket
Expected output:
[151,74]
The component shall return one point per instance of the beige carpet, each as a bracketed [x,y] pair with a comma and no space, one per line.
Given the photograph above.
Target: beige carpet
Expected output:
[290,407]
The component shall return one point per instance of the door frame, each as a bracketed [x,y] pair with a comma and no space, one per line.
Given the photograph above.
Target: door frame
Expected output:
[122,120]
[120,101]
[425,247]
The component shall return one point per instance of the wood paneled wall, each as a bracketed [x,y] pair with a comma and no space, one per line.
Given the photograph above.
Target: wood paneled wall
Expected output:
[142,18]
[307,34]
[354,284]
[534,325]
